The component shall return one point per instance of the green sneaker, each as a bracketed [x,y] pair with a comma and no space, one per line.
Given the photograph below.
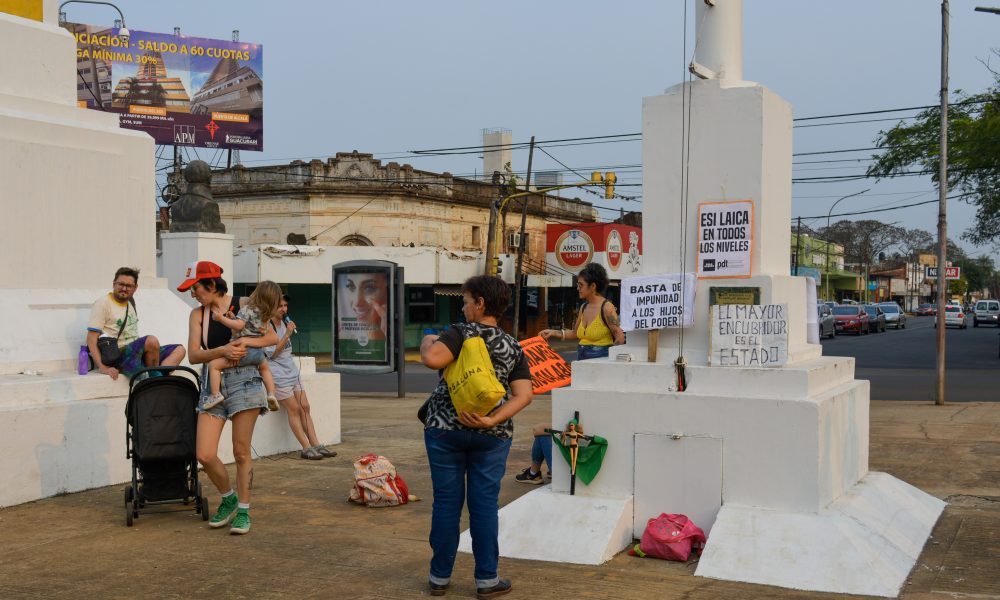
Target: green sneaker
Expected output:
[227,509]
[241,522]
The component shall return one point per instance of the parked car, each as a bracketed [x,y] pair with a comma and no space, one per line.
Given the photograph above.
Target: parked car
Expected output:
[825,321]
[829,303]
[876,317]
[926,310]
[953,315]
[894,315]
[851,319]
[986,312]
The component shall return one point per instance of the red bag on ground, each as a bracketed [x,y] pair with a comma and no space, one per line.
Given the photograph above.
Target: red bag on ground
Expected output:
[376,483]
[670,537]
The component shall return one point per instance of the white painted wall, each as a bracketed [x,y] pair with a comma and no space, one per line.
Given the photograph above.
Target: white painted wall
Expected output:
[66,433]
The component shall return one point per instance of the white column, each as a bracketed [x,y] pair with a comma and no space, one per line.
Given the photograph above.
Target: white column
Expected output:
[719,44]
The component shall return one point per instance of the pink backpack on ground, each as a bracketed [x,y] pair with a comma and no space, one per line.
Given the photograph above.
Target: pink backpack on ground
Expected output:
[377,484]
[670,537]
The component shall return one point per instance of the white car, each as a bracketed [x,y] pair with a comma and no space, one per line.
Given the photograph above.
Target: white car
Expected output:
[953,315]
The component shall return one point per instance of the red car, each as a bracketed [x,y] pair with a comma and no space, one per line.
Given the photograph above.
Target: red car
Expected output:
[927,310]
[851,319]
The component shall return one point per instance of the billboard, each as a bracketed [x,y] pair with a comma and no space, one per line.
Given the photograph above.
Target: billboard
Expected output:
[182,91]
[362,311]
[618,248]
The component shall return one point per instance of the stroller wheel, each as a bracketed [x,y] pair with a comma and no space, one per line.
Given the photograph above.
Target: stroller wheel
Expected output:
[129,512]
[204,509]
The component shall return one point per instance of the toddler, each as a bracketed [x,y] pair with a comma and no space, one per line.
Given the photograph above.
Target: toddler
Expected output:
[251,321]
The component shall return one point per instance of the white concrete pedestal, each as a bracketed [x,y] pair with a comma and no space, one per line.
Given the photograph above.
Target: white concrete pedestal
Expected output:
[179,250]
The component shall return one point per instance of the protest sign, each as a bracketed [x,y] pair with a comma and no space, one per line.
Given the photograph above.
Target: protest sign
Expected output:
[657,301]
[548,370]
[725,237]
[749,335]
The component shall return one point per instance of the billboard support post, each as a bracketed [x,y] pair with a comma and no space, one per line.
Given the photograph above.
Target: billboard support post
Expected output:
[400,341]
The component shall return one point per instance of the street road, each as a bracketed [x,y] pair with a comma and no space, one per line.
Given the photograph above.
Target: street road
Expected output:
[899,364]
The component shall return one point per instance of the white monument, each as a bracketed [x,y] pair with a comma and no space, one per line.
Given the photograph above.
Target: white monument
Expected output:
[76,193]
[771,462]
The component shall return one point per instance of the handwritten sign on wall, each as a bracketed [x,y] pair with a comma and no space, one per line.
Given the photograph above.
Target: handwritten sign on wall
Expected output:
[749,335]
[657,301]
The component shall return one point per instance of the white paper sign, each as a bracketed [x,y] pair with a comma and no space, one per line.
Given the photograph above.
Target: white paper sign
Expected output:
[749,335]
[725,236]
[658,301]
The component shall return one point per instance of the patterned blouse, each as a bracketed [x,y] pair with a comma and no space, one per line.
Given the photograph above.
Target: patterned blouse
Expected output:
[509,363]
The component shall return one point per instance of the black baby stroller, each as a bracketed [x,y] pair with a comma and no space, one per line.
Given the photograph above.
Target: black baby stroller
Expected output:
[160,440]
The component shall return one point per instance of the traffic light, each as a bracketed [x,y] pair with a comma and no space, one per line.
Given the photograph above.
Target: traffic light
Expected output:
[609,185]
[493,268]
[499,268]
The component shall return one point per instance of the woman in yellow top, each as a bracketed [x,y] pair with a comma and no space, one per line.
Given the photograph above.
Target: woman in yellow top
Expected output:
[597,326]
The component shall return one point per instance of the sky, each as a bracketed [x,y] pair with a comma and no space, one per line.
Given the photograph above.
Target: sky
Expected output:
[390,77]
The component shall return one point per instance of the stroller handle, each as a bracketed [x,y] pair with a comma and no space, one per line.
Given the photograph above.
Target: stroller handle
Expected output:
[163,370]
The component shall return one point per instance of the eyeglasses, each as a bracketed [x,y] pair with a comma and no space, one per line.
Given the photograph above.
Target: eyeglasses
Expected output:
[125,286]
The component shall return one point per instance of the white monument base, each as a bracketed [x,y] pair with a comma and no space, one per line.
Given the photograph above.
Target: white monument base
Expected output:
[771,462]
[587,531]
[179,250]
[64,432]
[865,542]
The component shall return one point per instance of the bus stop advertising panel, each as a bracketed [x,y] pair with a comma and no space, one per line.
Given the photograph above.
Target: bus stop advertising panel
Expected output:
[365,303]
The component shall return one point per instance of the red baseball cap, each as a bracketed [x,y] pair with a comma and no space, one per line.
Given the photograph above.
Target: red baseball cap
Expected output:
[200,269]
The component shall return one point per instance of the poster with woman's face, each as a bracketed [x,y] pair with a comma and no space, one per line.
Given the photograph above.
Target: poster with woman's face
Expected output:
[362,317]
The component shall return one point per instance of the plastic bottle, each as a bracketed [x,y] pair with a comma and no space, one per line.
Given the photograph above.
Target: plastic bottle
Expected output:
[83,361]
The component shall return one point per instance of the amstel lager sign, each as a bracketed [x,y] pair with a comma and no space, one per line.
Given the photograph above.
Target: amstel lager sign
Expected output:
[574,249]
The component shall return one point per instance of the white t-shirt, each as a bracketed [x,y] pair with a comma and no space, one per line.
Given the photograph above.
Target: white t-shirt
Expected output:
[106,315]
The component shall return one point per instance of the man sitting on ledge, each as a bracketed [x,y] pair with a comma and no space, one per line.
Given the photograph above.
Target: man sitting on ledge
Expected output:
[114,316]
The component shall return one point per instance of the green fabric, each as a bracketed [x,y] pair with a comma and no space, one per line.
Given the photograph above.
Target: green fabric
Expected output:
[588,458]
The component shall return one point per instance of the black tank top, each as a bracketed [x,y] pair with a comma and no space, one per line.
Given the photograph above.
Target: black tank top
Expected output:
[219,334]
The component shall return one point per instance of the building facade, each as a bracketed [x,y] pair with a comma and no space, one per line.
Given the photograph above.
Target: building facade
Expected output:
[380,211]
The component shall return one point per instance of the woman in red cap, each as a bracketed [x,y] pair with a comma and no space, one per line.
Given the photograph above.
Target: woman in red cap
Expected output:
[245,397]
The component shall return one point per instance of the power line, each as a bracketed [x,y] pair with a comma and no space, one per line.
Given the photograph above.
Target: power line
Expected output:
[878,210]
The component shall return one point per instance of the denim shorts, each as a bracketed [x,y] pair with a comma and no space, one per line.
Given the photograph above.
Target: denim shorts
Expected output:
[243,389]
[253,357]
[585,352]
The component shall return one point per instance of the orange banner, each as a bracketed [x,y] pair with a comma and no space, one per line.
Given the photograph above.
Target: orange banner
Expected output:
[548,370]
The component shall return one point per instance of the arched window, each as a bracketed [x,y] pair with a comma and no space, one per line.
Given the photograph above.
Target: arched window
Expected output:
[355,240]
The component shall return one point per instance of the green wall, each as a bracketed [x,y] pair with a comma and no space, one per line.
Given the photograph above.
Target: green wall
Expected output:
[310,309]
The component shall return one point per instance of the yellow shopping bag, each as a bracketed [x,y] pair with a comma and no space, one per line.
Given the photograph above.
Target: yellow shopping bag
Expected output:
[472,381]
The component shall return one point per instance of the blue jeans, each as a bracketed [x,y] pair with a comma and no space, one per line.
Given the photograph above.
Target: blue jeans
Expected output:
[465,466]
[541,449]
[584,352]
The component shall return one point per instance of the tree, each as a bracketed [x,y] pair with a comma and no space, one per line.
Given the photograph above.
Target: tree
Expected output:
[913,148]
[978,272]
[913,242]
[863,240]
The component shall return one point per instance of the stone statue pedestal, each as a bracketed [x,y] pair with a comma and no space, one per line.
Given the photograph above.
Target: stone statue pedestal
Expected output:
[179,250]
[76,201]
[771,462]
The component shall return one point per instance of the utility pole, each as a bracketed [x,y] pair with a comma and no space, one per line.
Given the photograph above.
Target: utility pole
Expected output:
[942,282]
[798,245]
[520,244]
[491,235]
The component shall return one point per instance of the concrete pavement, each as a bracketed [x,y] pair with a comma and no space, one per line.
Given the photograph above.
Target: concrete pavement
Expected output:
[307,542]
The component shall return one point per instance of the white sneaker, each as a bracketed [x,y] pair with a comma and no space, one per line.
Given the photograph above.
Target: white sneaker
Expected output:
[213,401]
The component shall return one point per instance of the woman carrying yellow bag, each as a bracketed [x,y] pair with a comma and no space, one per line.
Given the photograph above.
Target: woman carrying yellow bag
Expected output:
[467,451]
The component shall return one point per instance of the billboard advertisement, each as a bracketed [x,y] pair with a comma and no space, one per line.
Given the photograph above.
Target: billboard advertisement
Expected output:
[182,91]
[363,308]
[618,248]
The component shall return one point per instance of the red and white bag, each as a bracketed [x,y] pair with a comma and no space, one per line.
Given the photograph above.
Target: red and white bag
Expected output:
[670,537]
[377,484]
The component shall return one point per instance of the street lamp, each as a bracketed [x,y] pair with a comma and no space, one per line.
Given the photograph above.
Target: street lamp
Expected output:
[987,9]
[123,32]
[830,212]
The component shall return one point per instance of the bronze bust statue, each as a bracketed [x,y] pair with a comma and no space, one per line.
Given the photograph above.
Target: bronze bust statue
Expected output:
[195,210]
